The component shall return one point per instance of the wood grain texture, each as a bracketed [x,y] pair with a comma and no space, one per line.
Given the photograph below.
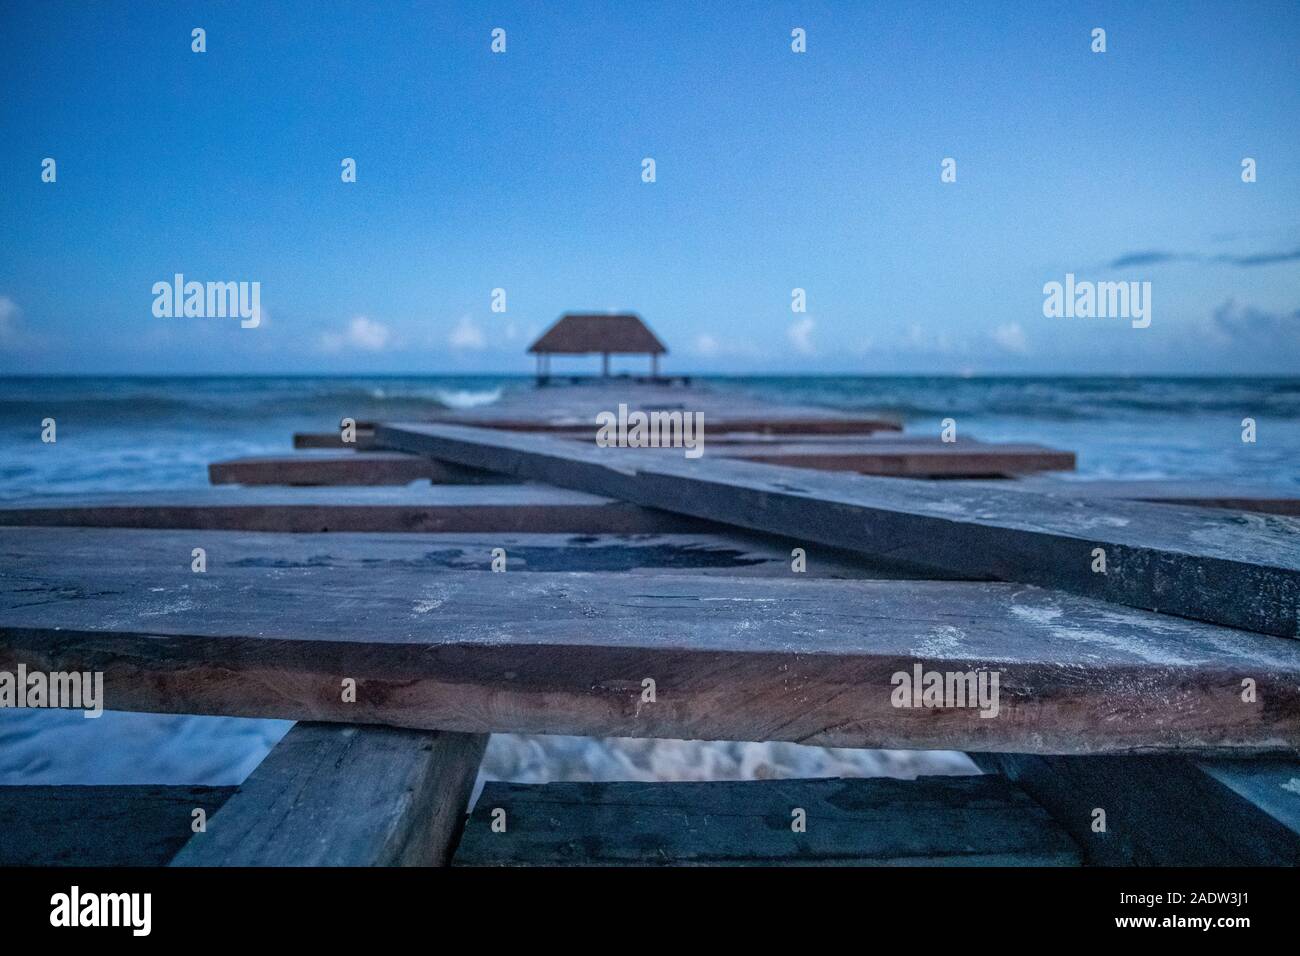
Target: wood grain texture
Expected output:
[100,825]
[1237,496]
[552,652]
[413,508]
[931,821]
[882,454]
[912,459]
[732,553]
[1241,570]
[341,468]
[365,440]
[338,795]
[1167,811]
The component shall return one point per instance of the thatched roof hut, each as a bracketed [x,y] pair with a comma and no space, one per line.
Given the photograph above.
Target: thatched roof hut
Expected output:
[584,333]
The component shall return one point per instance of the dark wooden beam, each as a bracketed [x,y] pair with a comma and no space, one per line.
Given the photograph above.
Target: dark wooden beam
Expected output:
[341,468]
[1238,496]
[333,440]
[100,825]
[899,458]
[336,795]
[274,633]
[1229,569]
[1167,810]
[415,508]
[931,821]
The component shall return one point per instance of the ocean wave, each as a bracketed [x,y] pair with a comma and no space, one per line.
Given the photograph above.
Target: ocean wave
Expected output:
[467,399]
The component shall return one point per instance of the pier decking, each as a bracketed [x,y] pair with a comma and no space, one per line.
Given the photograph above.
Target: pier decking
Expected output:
[512,576]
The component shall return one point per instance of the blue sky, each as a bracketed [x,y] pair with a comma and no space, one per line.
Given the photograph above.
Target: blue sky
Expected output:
[775,170]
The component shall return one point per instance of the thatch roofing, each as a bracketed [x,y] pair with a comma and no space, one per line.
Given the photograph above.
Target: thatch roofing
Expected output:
[582,333]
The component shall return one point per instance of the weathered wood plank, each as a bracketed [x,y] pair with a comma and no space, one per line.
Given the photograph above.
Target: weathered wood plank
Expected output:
[365,440]
[1199,494]
[338,795]
[723,409]
[732,553]
[893,455]
[1167,811]
[100,825]
[414,508]
[1241,570]
[914,459]
[732,658]
[719,430]
[788,425]
[341,468]
[931,821]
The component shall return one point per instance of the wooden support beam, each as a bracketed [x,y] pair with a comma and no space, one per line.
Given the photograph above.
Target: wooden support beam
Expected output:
[415,508]
[268,634]
[1225,568]
[1167,811]
[338,795]
[341,468]
[100,825]
[931,821]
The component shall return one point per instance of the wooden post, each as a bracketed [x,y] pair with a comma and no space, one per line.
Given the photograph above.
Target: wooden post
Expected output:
[654,365]
[604,365]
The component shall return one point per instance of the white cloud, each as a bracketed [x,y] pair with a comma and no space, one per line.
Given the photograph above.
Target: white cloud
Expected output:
[1259,329]
[1012,338]
[706,345]
[362,333]
[467,335]
[800,335]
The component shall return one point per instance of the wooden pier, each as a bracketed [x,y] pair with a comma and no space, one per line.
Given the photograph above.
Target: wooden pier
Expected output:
[409,593]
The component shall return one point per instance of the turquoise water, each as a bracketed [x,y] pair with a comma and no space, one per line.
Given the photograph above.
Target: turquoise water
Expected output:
[118,434]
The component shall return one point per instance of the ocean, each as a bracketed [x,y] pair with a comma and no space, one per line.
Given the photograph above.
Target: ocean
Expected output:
[137,434]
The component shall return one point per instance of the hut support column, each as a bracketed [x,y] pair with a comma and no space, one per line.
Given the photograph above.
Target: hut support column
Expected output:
[654,365]
[604,365]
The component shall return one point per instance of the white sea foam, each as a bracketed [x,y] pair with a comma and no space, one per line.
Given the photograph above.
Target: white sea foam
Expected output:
[465,398]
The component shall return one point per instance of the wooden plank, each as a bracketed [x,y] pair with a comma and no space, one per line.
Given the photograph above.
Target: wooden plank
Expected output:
[717,430]
[913,459]
[340,468]
[733,658]
[729,554]
[723,409]
[931,821]
[1199,494]
[337,795]
[100,825]
[1167,811]
[788,425]
[365,440]
[1238,570]
[889,455]
[414,508]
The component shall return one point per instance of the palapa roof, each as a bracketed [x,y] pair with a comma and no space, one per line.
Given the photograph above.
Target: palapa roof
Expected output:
[580,333]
